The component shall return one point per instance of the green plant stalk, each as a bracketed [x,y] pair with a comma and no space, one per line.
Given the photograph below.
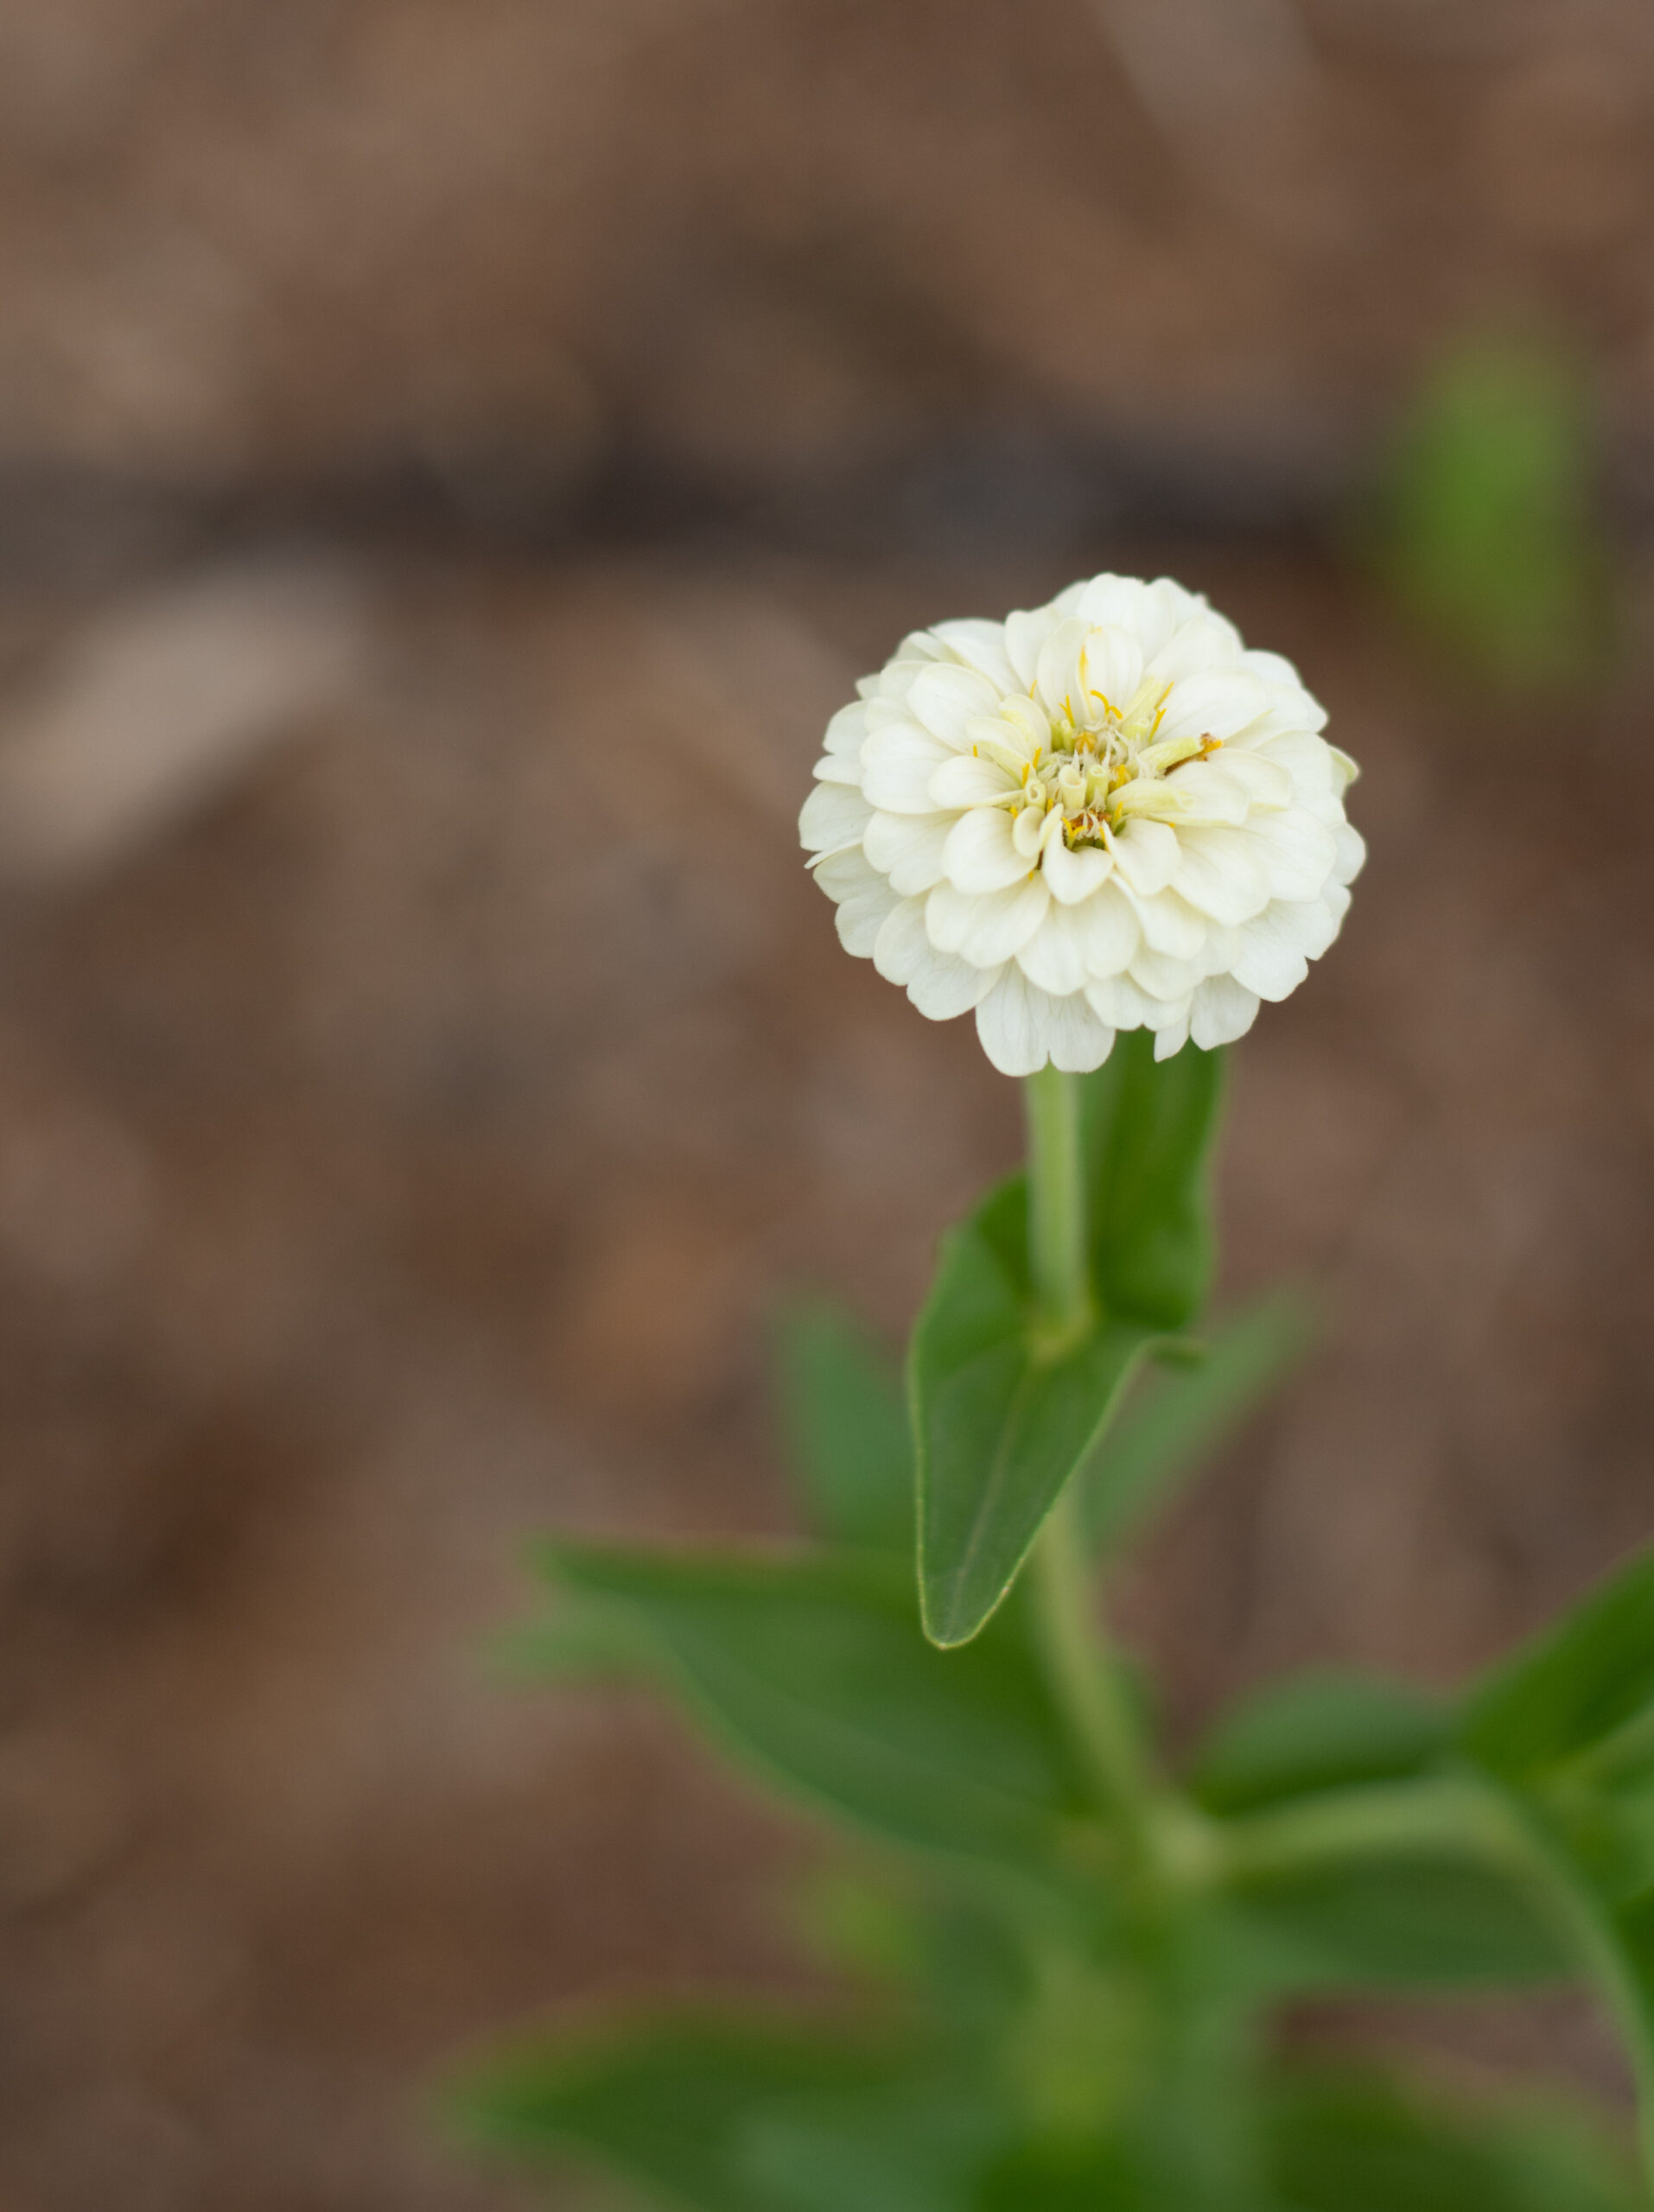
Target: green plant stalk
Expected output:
[1084,1675]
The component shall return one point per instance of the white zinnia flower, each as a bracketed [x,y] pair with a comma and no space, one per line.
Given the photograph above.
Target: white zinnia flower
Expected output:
[1104,815]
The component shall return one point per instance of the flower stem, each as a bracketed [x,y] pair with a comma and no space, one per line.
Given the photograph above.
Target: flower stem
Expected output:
[1084,1676]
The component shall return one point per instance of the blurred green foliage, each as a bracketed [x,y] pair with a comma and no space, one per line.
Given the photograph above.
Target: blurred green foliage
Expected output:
[1488,528]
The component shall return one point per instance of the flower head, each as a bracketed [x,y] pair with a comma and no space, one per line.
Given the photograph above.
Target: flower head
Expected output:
[1105,814]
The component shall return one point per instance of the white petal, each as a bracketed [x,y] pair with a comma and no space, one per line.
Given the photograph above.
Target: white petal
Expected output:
[908,847]
[1352,853]
[939,984]
[1011,1024]
[980,853]
[986,927]
[1271,668]
[1111,931]
[1146,854]
[1054,956]
[864,897]
[980,646]
[847,730]
[1218,872]
[1076,1039]
[1060,676]
[1111,666]
[1299,853]
[1202,643]
[1215,705]
[967,779]
[1307,759]
[1343,766]
[945,697]
[1223,1010]
[1161,977]
[1025,633]
[1076,875]
[1271,961]
[1122,1004]
[1173,1033]
[1196,792]
[1170,924]
[839,768]
[1264,780]
[897,765]
[1125,603]
[832,816]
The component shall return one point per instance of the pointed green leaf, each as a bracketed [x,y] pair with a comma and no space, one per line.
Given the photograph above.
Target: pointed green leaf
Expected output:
[686,2109]
[1355,2144]
[1177,1416]
[1148,1126]
[1002,1424]
[814,1669]
[846,1426]
[1003,1419]
[1584,1678]
[1321,1731]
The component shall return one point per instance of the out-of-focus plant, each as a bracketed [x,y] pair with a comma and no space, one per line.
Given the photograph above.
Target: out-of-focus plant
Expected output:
[1488,529]
[1063,1952]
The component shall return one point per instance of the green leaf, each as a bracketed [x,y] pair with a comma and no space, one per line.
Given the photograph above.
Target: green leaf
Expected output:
[1395,1920]
[813,1669]
[846,1426]
[1585,1677]
[1002,1424]
[1319,1731]
[1177,1416]
[1002,1417]
[696,2111]
[1357,2145]
[1148,1126]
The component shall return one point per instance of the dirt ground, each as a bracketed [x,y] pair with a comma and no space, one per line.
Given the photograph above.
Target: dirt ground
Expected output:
[404,1136]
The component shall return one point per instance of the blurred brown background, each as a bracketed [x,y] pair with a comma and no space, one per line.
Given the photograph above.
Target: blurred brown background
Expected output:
[451,459]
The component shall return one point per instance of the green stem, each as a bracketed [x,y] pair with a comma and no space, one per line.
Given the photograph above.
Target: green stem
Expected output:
[1084,1676]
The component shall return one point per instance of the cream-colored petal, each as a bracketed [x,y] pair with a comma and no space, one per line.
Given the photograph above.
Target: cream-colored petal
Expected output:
[1025,634]
[847,731]
[897,765]
[1169,923]
[1125,603]
[1075,875]
[1161,977]
[839,768]
[1200,646]
[980,646]
[1122,1004]
[832,816]
[1299,853]
[1109,931]
[939,984]
[1059,684]
[1011,1021]
[1271,961]
[1146,854]
[980,854]
[908,847]
[944,698]
[1076,1040]
[971,780]
[1222,1011]
[1264,780]
[985,927]
[1054,956]
[1172,1034]
[863,898]
[1218,872]
[1214,705]
[1351,854]
[1111,667]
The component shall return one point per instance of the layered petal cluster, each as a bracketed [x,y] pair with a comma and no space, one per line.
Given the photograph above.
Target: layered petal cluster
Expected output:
[1105,814]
